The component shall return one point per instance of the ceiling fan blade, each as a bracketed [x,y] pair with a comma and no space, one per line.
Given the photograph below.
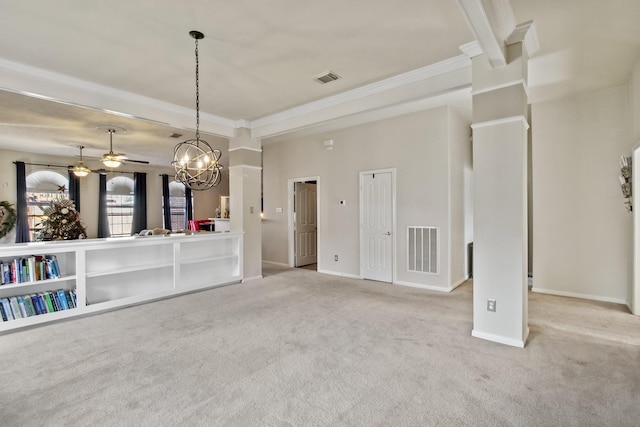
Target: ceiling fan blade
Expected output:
[144,162]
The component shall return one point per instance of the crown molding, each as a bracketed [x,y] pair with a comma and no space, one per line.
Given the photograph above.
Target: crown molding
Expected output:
[73,91]
[471,49]
[497,122]
[245,167]
[527,34]
[381,86]
[411,87]
[503,85]
[416,84]
[259,150]
[239,124]
[501,16]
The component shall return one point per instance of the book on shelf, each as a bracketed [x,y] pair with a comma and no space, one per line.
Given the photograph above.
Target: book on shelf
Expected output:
[15,308]
[29,305]
[37,304]
[47,299]
[29,269]
[3,315]
[6,273]
[6,307]
[63,300]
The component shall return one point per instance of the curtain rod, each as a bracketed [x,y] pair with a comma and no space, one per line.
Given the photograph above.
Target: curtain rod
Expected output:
[71,167]
[42,164]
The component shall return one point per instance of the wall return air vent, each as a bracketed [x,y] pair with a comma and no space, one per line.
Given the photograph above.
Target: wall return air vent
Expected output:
[423,249]
[327,77]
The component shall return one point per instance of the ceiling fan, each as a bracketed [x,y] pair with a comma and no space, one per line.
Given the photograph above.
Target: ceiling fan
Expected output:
[80,169]
[111,159]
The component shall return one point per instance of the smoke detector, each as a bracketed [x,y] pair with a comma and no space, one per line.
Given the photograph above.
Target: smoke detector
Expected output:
[326,77]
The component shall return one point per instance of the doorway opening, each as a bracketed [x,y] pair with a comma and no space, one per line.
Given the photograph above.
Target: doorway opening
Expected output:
[304,205]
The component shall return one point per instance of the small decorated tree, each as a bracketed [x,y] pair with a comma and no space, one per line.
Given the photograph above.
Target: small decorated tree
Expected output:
[61,221]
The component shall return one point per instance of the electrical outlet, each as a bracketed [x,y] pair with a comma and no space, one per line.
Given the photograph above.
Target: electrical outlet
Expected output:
[335,257]
[491,305]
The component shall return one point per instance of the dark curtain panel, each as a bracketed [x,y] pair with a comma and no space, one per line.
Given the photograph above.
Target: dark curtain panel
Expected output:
[166,206]
[22,222]
[188,206]
[74,189]
[139,202]
[103,220]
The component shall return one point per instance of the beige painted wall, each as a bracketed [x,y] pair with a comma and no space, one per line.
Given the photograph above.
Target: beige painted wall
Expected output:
[634,98]
[582,232]
[417,145]
[204,203]
[460,202]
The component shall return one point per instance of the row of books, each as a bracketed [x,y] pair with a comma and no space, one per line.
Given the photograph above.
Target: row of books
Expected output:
[29,269]
[22,306]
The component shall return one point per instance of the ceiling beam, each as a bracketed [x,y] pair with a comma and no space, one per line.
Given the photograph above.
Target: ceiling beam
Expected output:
[492,21]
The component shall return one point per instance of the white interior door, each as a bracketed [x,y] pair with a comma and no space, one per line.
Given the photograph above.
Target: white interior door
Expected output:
[376,239]
[305,223]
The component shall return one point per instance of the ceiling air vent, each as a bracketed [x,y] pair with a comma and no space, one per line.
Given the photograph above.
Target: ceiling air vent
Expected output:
[175,135]
[327,77]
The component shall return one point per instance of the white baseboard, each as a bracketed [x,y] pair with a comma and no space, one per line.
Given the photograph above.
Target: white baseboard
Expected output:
[578,295]
[248,279]
[431,287]
[279,264]
[456,284]
[337,273]
[421,286]
[500,339]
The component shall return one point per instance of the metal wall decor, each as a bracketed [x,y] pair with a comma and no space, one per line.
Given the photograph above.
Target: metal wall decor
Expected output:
[625,181]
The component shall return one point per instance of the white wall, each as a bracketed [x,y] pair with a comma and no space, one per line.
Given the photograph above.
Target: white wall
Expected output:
[205,201]
[417,145]
[582,232]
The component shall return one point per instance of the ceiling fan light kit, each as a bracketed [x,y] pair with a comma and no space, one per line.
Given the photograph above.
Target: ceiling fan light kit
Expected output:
[197,165]
[80,170]
[111,159]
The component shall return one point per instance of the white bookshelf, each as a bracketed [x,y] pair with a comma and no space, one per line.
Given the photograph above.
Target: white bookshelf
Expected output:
[112,273]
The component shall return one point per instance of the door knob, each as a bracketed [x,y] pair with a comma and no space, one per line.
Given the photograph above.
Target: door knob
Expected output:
[388,233]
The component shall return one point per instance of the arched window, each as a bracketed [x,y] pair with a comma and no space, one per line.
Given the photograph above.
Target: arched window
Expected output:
[120,205]
[177,203]
[43,187]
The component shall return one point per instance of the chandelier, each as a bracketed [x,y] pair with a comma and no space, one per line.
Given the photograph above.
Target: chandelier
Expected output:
[197,165]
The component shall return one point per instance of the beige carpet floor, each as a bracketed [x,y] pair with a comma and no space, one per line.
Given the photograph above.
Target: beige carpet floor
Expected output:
[299,348]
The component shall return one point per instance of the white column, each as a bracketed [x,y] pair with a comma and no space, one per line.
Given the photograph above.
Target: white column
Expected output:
[500,198]
[245,194]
